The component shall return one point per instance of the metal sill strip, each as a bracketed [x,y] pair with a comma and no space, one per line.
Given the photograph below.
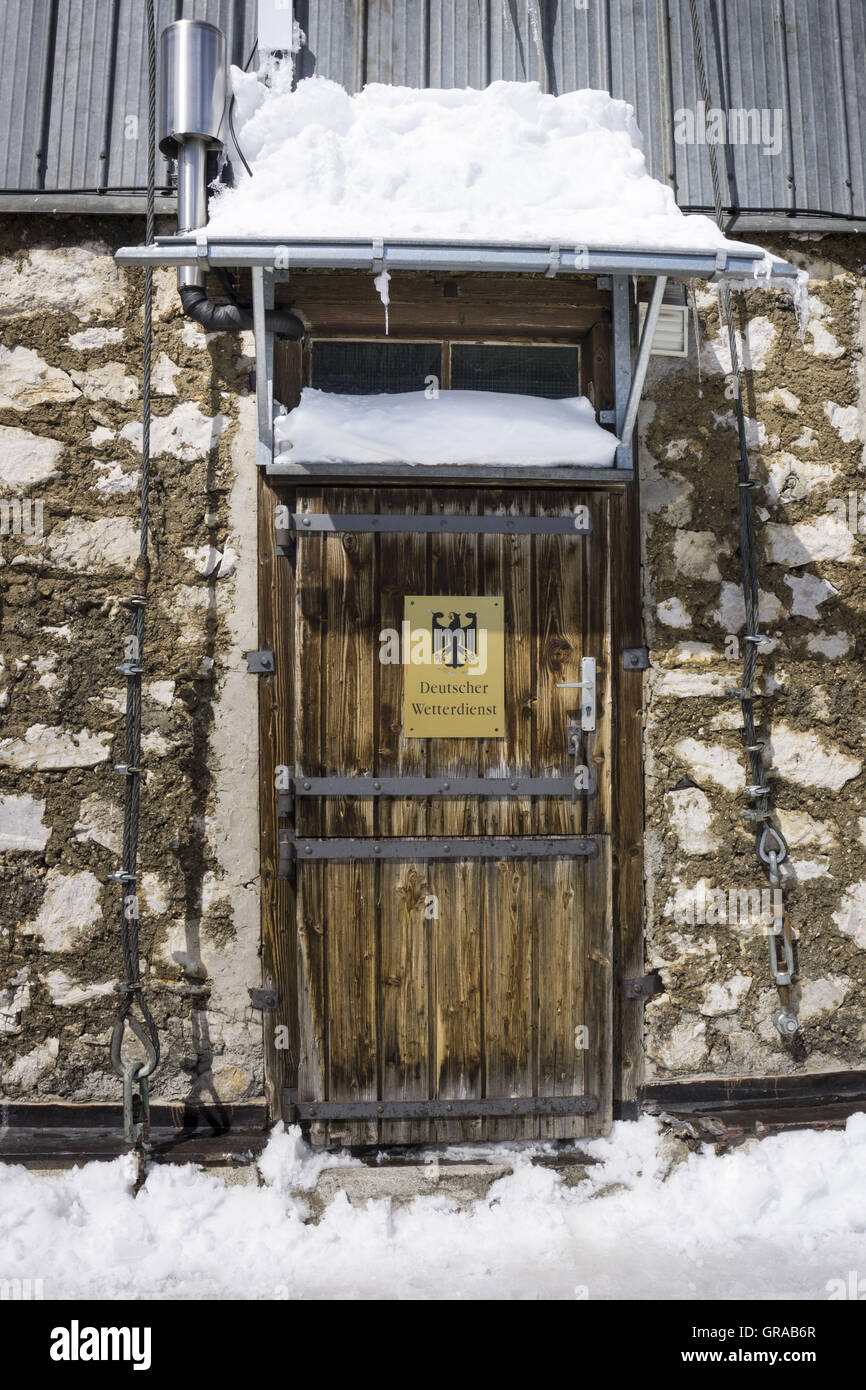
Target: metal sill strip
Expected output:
[452,847]
[442,1109]
[304,523]
[435,786]
[421,473]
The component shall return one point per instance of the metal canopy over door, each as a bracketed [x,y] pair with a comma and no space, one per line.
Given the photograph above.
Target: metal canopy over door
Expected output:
[454,931]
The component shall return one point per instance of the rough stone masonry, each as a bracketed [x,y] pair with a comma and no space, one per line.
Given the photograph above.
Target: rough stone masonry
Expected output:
[805,400]
[70,438]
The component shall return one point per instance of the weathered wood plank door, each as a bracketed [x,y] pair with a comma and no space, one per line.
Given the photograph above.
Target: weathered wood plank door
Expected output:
[450,986]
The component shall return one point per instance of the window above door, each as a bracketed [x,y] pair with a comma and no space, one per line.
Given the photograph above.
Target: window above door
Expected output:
[361,367]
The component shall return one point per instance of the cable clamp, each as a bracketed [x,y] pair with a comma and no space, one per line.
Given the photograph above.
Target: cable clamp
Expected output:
[127,770]
[122,877]
[129,668]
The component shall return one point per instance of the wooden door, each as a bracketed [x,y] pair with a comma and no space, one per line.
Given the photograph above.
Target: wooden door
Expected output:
[454,950]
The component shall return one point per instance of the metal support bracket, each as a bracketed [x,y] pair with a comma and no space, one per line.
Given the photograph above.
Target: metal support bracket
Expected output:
[635,658]
[263,299]
[642,360]
[642,987]
[260,663]
[266,1000]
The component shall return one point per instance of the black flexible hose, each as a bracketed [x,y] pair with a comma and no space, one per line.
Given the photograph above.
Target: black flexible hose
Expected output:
[233,318]
[235,138]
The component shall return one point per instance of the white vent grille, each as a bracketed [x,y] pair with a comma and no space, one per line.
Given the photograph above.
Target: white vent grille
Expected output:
[671,338]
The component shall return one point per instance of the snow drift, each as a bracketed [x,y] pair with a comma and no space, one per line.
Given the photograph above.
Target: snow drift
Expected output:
[508,163]
[452,427]
[781,1218]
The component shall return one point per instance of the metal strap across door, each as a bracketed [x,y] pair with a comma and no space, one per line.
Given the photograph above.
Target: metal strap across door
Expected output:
[309,523]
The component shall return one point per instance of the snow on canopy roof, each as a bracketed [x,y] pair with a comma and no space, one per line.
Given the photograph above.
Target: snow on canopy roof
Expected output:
[505,164]
[453,427]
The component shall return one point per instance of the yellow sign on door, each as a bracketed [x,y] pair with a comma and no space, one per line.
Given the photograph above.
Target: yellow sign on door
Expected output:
[454,666]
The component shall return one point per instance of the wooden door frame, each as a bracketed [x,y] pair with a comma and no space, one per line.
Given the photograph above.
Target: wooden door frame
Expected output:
[279,944]
[276,599]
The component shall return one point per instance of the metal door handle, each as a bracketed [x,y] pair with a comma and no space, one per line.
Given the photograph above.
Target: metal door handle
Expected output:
[587,684]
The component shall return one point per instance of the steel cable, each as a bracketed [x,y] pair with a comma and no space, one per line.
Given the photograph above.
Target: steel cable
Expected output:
[770,843]
[132,985]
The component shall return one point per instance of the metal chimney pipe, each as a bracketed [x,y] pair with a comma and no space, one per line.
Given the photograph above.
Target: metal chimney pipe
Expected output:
[193,90]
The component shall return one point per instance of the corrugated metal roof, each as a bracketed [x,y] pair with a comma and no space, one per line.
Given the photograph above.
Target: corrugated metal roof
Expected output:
[73,100]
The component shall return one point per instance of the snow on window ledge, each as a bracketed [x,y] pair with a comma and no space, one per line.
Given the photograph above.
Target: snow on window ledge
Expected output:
[451,427]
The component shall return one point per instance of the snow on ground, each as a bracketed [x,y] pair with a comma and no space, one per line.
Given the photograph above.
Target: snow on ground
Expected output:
[508,163]
[449,427]
[775,1219]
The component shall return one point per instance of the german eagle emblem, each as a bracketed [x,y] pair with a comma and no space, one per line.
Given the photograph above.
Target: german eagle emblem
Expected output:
[455,643]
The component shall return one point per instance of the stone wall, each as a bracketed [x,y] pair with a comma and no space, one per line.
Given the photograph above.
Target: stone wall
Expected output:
[70,441]
[806,406]
[70,433]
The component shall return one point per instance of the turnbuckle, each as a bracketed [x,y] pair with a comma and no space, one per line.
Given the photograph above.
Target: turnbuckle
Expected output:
[781,977]
[136,1108]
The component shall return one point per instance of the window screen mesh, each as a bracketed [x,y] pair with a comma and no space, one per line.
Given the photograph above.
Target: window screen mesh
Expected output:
[363,369]
[529,371]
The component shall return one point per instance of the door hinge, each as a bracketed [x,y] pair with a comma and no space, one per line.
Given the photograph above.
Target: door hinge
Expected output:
[642,986]
[260,663]
[266,1000]
[286,854]
[636,658]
